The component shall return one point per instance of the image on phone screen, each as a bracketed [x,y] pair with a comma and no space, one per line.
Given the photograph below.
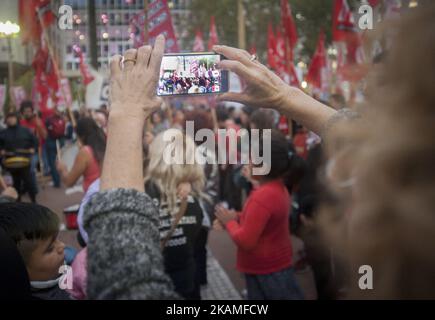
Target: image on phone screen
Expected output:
[191,74]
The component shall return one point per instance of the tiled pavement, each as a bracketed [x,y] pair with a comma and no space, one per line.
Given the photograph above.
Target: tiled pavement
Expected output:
[219,285]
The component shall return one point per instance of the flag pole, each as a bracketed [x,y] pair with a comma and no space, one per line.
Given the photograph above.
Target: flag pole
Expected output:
[241,24]
[57,71]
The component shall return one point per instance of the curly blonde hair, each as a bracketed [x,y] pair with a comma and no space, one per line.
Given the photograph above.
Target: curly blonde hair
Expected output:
[387,219]
[168,176]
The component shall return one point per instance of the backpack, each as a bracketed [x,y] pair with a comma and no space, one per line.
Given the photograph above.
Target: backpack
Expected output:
[56,127]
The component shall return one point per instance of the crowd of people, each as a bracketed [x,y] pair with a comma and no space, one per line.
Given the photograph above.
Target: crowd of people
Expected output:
[204,81]
[347,186]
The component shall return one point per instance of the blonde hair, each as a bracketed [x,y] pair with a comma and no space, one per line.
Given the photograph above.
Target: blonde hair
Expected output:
[167,176]
[387,220]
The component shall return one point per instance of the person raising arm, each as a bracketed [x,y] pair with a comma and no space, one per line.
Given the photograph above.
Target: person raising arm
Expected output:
[265,88]
[124,257]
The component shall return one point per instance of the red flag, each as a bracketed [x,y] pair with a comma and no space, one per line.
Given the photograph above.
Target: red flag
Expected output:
[160,22]
[343,23]
[136,29]
[288,24]
[271,48]
[32,15]
[213,36]
[63,95]
[46,82]
[198,45]
[46,16]
[284,67]
[283,125]
[84,68]
[316,72]
[28,20]
[344,30]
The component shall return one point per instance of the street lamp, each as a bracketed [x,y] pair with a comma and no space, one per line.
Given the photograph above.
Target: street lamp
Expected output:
[8,31]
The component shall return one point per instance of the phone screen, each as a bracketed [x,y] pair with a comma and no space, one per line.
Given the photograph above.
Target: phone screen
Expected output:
[191,74]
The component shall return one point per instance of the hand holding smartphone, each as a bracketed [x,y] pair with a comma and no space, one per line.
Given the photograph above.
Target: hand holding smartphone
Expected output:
[191,74]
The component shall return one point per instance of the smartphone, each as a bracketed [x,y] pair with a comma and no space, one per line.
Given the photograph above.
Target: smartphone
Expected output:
[191,74]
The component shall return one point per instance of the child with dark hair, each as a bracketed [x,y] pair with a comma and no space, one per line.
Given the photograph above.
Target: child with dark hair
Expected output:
[34,229]
[261,230]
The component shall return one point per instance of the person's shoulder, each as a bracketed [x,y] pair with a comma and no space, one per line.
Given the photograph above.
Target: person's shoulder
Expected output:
[267,193]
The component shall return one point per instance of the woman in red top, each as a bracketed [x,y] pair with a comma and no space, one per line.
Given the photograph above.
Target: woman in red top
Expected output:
[261,231]
[88,162]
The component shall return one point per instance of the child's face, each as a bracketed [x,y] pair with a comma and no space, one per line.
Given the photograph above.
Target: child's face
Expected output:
[46,259]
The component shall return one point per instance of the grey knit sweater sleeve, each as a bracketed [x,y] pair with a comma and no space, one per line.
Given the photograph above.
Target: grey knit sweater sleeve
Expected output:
[124,258]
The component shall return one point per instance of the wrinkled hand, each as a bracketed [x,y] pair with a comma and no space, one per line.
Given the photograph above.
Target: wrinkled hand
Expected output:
[263,87]
[224,215]
[133,87]
[183,190]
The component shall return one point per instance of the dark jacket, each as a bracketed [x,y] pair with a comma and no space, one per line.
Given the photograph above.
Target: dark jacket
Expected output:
[179,250]
[17,137]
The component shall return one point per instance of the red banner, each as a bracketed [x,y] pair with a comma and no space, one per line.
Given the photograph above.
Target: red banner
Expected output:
[343,23]
[63,95]
[30,25]
[198,45]
[160,22]
[318,67]
[288,23]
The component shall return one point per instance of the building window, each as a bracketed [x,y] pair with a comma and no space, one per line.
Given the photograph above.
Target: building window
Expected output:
[68,49]
[69,66]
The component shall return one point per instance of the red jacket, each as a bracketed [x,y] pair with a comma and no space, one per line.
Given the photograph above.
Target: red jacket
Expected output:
[262,234]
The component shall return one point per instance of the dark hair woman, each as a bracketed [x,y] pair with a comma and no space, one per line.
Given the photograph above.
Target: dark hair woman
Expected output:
[260,231]
[89,160]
